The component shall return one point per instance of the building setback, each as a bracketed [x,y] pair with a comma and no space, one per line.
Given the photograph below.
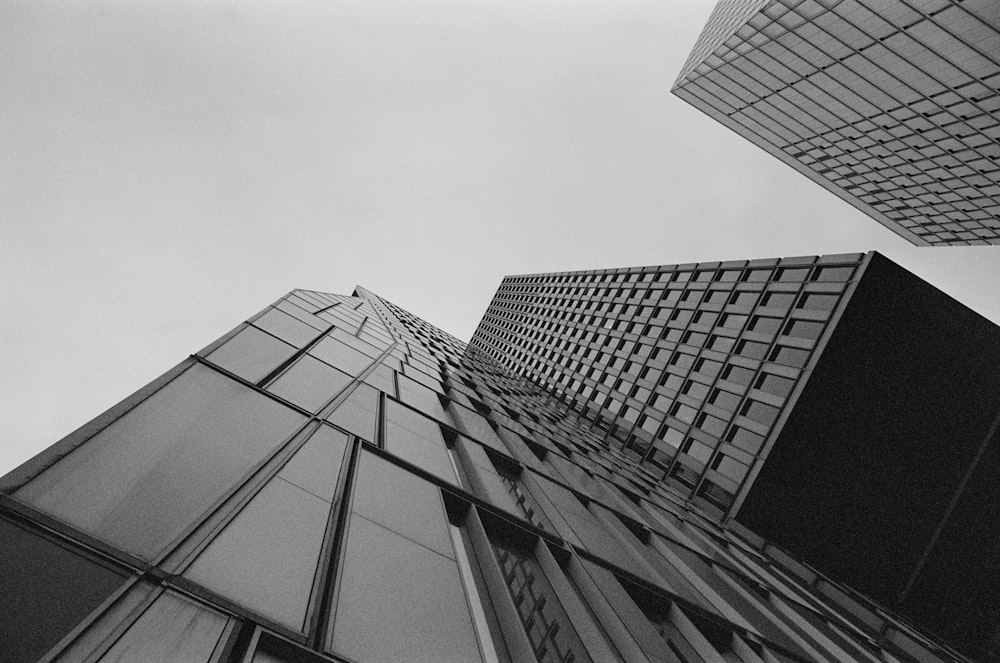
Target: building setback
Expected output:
[338,480]
[837,406]
[893,105]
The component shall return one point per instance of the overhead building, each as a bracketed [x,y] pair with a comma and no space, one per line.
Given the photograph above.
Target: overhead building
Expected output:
[893,105]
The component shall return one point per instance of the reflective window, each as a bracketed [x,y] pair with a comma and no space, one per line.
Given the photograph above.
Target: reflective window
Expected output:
[357,413]
[833,274]
[47,590]
[790,356]
[775,384]
[762,412]
[744,298]
[478,428]
[804,329]
[738,374]
[401,596]
[153,472]
[309,383]
[818,302]
[251,354]
[746,440]
[173,628]
[265,559]
[725,400]
[778,299]
[752,349]
[285,327]
[341,356]
[382,379]
[417,439]
[721,343]
[765,325]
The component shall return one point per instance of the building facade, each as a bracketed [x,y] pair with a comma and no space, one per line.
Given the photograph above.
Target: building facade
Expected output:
[338,480]
[837,406]
[893,105]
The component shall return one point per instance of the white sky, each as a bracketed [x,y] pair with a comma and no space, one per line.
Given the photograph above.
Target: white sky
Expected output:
[168,168]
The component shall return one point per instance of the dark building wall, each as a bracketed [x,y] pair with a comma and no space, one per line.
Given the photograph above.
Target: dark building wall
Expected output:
[886,429]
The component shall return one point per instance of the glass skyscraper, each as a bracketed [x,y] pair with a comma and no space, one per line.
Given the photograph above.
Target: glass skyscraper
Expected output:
[338,480]
[893,105]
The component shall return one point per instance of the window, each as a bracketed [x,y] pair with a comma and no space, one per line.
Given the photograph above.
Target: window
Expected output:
[793,274]
[357,413]
[711,425]
[757,275]
[804,329]
[733,321]
[744,439]
[764,325]
[789,356]
[833,274]
[721,343]
[751,349]
[399,544]
[682,360]
[47,588]
[725,400]
[760,412]
[778,299]
[744,298]
[818,302]
[683,412]
[695,389]
[251,354]
[775,384]
[145,478]
[738,374]
[707,367]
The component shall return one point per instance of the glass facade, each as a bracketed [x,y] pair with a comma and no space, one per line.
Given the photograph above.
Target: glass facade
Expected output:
[893,105]
[338,480]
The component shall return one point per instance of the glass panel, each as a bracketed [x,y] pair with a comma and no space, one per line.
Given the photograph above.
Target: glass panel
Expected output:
[357,413]
[818,302]
[309,383]
[316,466]
[381,379]
[251,354]
[265,559]
[341,356]
[402,502]
[430,457]
[475,426]
[399,418]
[805,329]
[172,630]
[790,356]
[47,590]
[356,343]
[285,327]
[142,480]
[400,601]
[422,398]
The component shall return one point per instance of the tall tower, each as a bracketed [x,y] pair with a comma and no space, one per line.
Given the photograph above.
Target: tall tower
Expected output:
[893,105]
[836,405]
[338,480]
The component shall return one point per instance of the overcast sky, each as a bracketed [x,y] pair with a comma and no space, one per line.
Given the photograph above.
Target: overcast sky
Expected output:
[169,168]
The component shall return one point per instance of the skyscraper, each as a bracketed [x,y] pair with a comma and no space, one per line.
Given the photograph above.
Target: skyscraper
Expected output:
[338,480]
[837,405]
[893,105]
